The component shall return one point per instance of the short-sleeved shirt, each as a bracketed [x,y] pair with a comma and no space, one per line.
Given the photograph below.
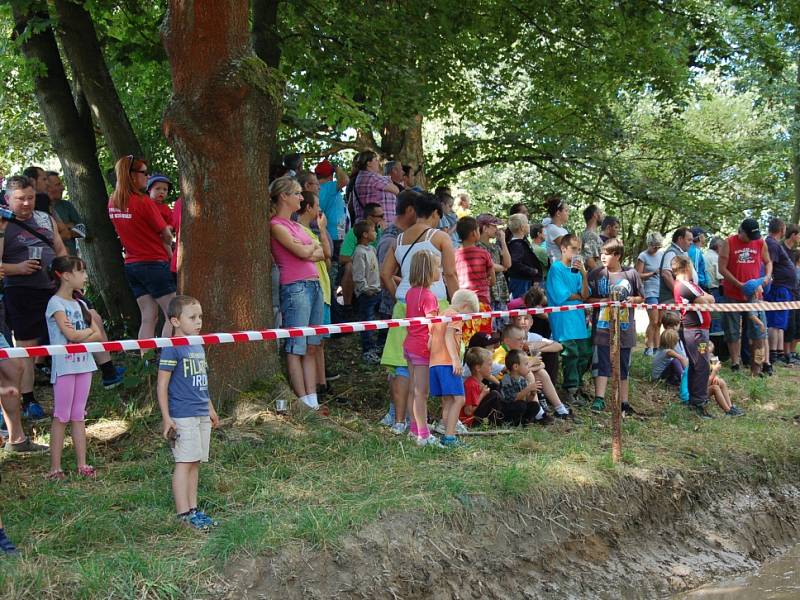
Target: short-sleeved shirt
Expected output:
[69,364]
[600,283]
[474,266]
[386,243]
[15,250]
[562,283]
[499,291]
[660,362]
[322,270]
[66,213]
[188,385]
[370,189]
[592,244]
[552,232]
[686,292]
[651,263]
[139,229]
[331,203]
[472,394]
[420,302]
[510,386]
[349,243]
[177,212]
[439,354]
[165,211]
[783,273]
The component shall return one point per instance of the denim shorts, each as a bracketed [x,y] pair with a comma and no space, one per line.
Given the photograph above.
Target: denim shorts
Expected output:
[150,278]
[301,306]
[603,354]
[650,300]
[732,324]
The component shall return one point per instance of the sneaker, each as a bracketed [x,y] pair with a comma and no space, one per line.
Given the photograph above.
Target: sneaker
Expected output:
[440,428]
[785,361]
[599,405]
[572,397]
[387,420]
[369,358]
[701,411]
[649,352]
[735,368]
[7,547]
[208,520]
[451,441]
[26,447]
[33,411]
[331,375]
[110,384]
[627,410]
[195,521]
[569,416]
[545,420]
[431,441]
[399,428]
[767,369]
[461,429]
[543,402]
[735,411]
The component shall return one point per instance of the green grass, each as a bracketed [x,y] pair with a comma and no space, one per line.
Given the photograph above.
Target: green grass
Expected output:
[313,481]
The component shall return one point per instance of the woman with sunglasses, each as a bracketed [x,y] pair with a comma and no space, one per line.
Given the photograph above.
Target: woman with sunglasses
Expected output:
[147,241]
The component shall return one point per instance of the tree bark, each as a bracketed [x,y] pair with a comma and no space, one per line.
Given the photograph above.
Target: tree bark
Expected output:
[224,105]
[74,143]
[405,144]
[79,40]
[795,143]
[266,45]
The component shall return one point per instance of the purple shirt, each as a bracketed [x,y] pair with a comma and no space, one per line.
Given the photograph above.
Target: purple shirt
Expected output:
[369,189]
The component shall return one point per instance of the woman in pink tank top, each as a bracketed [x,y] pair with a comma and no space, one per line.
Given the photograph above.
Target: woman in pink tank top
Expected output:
[295,255]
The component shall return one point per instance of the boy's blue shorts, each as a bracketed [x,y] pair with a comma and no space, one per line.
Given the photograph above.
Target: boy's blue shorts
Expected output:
[443,382]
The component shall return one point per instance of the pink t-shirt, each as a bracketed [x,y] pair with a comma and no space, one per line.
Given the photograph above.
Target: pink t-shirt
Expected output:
[291,267]
[516,303]
[420,302]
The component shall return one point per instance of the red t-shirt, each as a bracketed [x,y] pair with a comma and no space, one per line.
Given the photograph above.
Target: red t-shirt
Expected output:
[420,302]
[472,391]
[474,265]
[165,212]
[744,263]
[139,230]
[177,212]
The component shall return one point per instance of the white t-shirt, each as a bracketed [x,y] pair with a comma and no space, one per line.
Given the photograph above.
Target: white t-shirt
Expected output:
[651,262]
[551,233]
[68,364]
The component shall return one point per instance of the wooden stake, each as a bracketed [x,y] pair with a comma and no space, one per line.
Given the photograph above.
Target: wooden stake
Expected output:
[616,407]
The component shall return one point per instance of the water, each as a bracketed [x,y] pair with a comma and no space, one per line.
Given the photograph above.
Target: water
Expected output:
[775,580]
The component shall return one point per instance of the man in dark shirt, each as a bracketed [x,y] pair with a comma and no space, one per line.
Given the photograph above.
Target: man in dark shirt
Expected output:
[784,281]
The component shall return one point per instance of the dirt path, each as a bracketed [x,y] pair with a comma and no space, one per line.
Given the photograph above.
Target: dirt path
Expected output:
[648,536]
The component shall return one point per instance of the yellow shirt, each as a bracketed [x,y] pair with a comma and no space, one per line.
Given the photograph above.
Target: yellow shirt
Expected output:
[322,269]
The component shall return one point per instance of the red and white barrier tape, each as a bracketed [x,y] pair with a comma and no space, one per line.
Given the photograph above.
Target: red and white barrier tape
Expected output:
[276,334]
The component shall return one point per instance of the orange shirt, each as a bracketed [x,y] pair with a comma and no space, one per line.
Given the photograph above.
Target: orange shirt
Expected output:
[439,354]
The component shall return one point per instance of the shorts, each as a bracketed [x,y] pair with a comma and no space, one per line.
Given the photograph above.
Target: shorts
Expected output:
[792,331]
[401,372]
[732,324]
[443,382]
[651,300]
[416,360]
[150,279]
[301,306]
[25,308]
[778,319]
[194,438]
[603,355]
[393,353]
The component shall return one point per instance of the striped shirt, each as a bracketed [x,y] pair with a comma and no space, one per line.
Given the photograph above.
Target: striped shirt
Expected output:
[474,266]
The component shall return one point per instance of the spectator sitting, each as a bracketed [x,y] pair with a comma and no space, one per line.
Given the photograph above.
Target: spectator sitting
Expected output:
[67,218]
[535,342]
[718,388]
[490,343]
[520,392]
[669,362]
[481,402]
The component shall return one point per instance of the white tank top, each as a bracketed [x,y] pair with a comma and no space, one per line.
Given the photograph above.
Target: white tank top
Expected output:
[438,288]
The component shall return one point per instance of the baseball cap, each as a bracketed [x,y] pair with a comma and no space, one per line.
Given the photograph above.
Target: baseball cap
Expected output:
[697,232]
[488,219]
[324,169]
[158,178]
[750,227]
[483,340]
[750,286]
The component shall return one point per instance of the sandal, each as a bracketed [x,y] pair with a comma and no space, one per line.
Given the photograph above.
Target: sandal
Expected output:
[56,475]
[87,471]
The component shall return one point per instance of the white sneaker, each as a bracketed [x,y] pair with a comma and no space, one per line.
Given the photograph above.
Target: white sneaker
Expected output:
[461,429]
[431,440]
[387,420]
[398,428]
[440,428]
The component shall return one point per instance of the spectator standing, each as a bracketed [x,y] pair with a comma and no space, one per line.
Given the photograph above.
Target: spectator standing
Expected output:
[792,334]
[554,230]
[367,286]
[610,227]
[64,211]
[647,265]
[462,206]
[501,258]
[374,214]
[475,271]
[536,236]
[784,282]
[40,183]
[372,187]
[147,241]
[741,259]
[525,267]
[682,238]
[516,209]
[714,279]
[394,171]
[449,217]
[590,239]
[565,286]
[28,245]
[332,180]
[696,256]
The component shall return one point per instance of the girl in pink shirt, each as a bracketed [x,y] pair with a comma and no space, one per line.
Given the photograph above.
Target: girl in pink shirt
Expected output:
[420,302]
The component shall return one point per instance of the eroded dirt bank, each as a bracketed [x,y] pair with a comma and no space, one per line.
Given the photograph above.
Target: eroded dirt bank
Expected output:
[648,535]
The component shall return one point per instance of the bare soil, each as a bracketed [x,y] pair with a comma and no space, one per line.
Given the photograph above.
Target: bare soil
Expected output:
[648,535]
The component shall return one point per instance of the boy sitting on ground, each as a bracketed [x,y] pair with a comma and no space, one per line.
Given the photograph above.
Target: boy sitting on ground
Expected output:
[520,405]
[482,403]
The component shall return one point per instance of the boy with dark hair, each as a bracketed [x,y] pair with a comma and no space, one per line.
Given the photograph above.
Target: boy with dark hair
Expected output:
[475,270]
[590,239]
[601,283]
[481,401]
[187,413]
[520,404]
[366,286]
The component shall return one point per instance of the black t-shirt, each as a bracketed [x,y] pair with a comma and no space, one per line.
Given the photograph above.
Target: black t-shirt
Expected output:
[783,273]
[686,292]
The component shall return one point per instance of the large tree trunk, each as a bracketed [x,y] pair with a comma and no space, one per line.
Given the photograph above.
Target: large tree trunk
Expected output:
[74,143]
[224,105]
[79,40]
[795,144]
[266,46]
[405,144]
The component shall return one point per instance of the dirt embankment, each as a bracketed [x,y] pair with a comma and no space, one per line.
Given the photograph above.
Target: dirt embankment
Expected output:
[646,536]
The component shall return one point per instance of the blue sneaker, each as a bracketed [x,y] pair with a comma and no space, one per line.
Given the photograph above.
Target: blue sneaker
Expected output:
[33,411]
[208,520]
[451,441]
[195,521]
[6,545]
[110,384]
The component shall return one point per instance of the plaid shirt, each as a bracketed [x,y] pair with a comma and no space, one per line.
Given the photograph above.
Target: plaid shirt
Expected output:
[369,189]
[499,291]
[510,386]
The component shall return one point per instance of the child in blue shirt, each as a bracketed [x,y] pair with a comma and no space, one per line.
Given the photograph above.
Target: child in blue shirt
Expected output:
[187,414]
[567,284]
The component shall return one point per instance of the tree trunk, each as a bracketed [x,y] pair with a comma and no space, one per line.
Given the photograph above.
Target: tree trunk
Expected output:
[795,143]
[405,144]
[74,143]
[224,105]
[79,40]
[267,47]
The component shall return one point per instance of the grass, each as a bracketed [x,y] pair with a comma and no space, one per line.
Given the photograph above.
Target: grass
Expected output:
[314,481]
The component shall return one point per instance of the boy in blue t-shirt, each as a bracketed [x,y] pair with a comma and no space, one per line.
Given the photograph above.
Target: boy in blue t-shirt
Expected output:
[567,284]
[187,414]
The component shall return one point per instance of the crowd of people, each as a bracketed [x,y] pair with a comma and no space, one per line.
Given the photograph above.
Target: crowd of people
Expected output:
[372,244]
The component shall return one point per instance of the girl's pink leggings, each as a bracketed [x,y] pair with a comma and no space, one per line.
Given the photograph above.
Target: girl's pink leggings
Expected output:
[70,393]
